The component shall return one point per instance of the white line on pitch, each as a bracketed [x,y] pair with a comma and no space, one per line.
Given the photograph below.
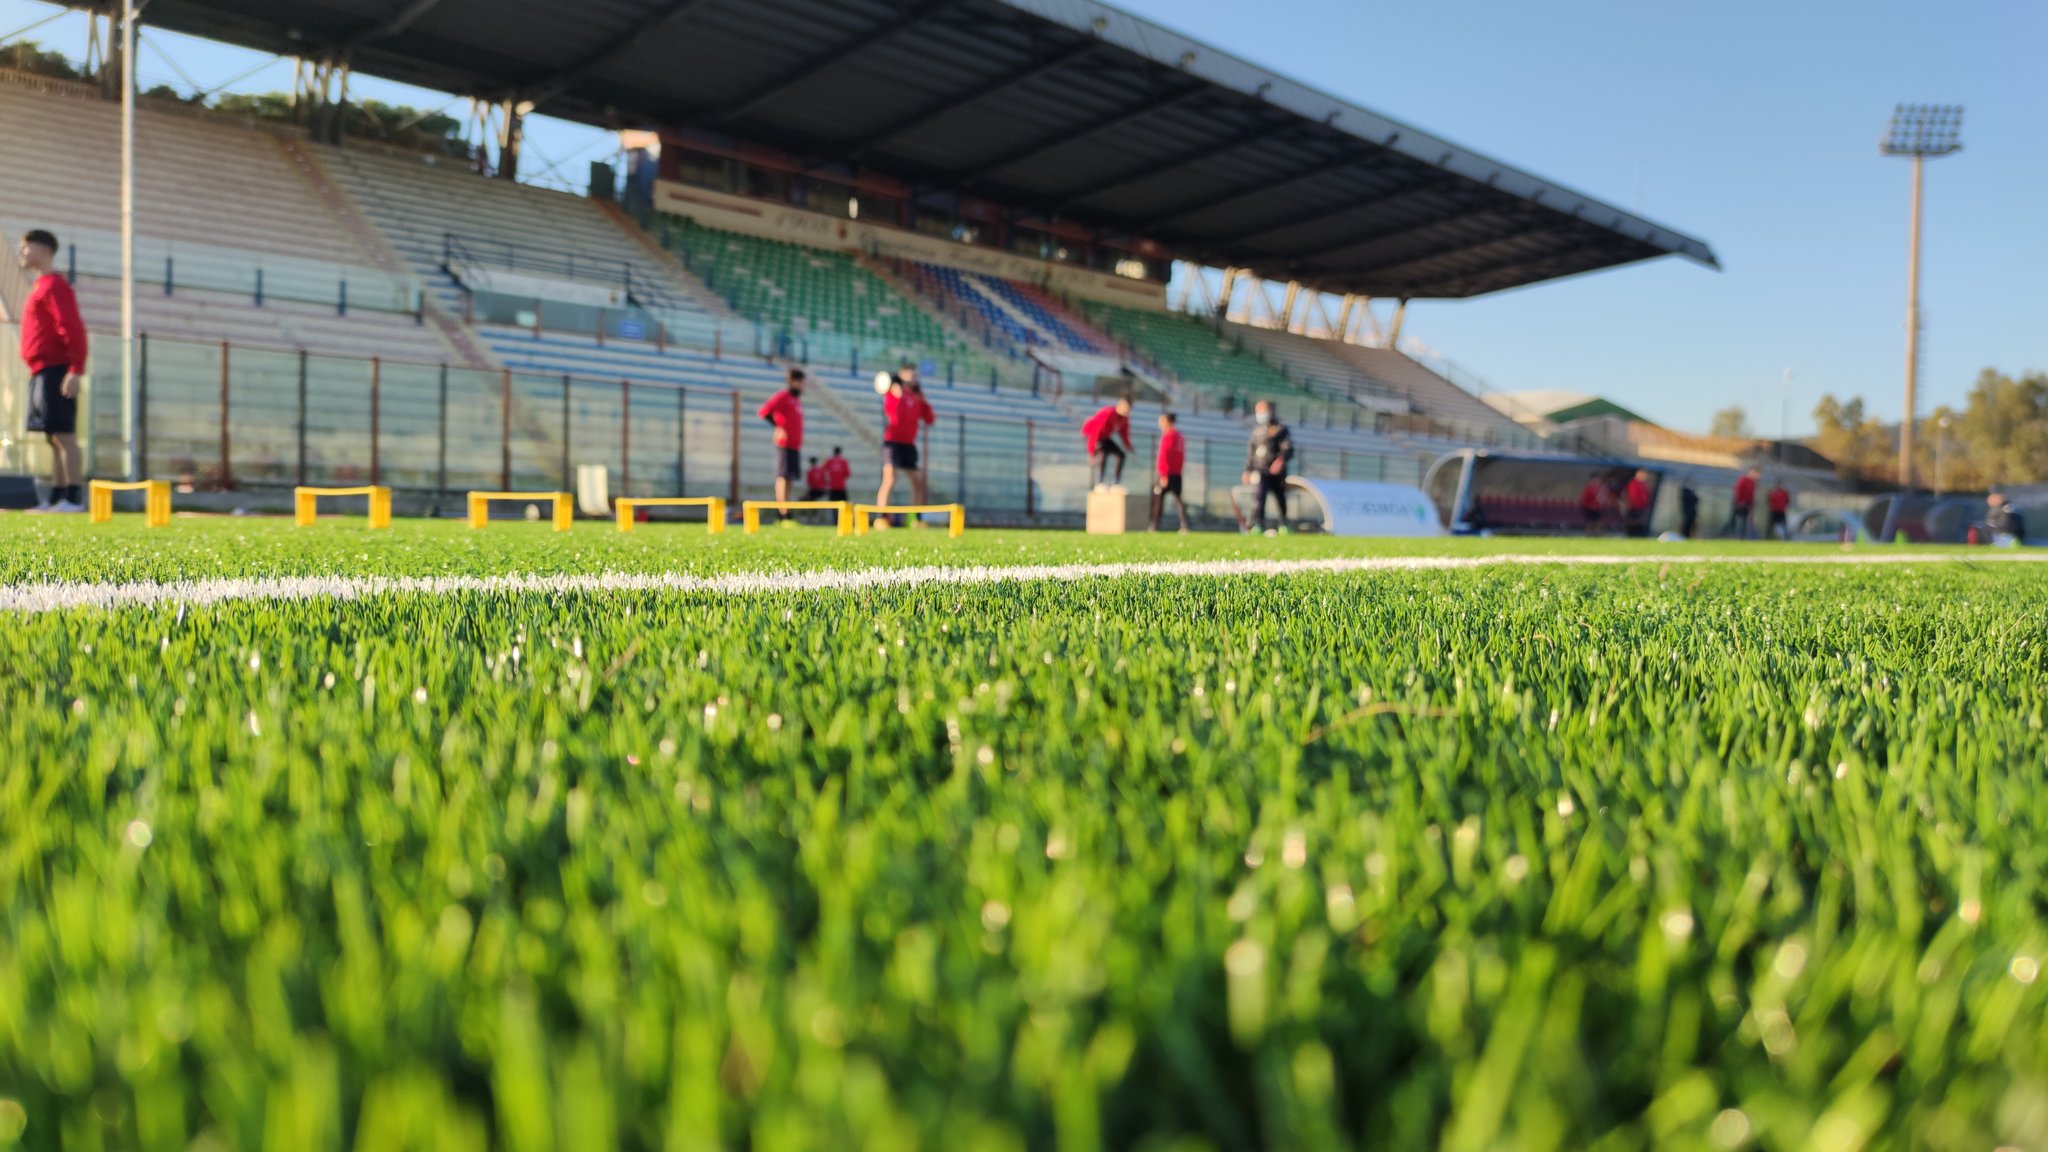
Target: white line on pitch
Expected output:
[54,597]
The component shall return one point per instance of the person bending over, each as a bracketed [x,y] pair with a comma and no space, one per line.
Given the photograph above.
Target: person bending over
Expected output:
[1101,433]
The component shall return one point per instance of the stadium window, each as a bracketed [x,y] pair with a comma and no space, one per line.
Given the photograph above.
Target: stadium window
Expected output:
[1132,268]
[706,171]
[767,185]
[828,198]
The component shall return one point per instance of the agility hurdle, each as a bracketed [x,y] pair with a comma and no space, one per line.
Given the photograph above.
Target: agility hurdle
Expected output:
[480,506]
[306,503]
[714,506]
[750,512]
[956,515]
[156,500]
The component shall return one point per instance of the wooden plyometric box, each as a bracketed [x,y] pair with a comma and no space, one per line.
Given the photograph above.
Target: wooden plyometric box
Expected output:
[1115,511]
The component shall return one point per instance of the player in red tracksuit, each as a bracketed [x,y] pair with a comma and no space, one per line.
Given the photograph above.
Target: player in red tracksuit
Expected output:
[1636,506]
[53,344]
[1745,502]
[785,410]
[1780,504]
[1173,456]
[815,482]
[1591,497]
[905,413]
[837,474]
[1101,432]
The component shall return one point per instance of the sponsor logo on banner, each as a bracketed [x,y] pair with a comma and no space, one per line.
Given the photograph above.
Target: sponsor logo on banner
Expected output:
[1357,508]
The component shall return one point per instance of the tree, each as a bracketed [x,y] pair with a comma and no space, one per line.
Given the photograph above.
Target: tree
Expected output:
[367,119]
[31,57]
[1999,437]
[1731,423]
[2003,431]
[1860,445]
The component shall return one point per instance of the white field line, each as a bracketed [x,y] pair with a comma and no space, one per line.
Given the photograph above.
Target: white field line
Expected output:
[57,597]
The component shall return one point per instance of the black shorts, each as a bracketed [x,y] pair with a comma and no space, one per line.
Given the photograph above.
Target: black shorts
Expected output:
[1107,448]
[789,464]
[1590,515]
[49,410]
[838,494]
[1166,486]
[902,457]
[1777,518]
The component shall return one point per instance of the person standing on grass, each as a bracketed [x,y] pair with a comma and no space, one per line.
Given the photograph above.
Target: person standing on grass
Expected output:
[53,344]
[1266,459]
[905,414]
[1590,498]
[814,481]
[1636,504]
[1173,455]
[1780,502]
[2004,526]
[837,473]
[1745,502]
[1101,432]
[1688,510]
[785,410]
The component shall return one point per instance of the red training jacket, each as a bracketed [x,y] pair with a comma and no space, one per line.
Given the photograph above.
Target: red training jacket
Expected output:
[52,332]
[1780,500]
[816,479]
[1173,452]
[786,408]
[1638,496]
[902,413]
[1105,424]
[837,471]
[1745,492]
[1589,496]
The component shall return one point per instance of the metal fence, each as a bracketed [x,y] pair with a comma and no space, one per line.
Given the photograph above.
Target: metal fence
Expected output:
[220,416]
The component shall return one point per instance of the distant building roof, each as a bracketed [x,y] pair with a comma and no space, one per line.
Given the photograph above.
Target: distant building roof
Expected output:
[1557,406]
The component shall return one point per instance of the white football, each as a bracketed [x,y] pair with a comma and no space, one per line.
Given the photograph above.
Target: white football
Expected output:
[882,383]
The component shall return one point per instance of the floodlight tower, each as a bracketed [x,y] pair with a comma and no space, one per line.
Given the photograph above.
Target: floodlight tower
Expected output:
[1918,132]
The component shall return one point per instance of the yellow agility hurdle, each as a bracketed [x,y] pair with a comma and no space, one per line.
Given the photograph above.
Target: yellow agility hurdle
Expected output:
[956,515]
[750,512]
[714,521]
[156,500]
[480,506]
[306,503]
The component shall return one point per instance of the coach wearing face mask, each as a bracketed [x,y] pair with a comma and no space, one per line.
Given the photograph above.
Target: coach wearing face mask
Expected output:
[1265,464]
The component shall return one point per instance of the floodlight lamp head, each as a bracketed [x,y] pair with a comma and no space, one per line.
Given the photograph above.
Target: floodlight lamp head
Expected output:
[1925,130]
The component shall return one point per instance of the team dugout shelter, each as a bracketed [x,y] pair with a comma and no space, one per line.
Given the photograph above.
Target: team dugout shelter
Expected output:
[1065,131]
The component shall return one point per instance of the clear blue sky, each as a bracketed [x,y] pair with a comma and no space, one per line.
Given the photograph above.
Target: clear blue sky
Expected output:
[1751,124]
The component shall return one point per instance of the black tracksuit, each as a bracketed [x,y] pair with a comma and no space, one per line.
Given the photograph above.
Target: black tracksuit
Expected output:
[1270,442]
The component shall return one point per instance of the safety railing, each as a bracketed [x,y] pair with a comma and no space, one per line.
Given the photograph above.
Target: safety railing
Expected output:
[222,416]
[259,279]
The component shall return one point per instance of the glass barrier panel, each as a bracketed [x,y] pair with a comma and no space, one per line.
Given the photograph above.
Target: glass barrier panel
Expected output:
[409,425]
[476,428]
[263,414]
[536,441]
[180,385]
[337,419]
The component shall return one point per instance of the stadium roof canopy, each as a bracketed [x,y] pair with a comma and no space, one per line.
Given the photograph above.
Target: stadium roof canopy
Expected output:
[1062,107]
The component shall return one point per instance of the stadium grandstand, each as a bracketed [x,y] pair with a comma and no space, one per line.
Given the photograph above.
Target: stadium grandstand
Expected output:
[997,191]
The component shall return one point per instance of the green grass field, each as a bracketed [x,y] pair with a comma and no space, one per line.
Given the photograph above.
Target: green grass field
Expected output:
[1670,854]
